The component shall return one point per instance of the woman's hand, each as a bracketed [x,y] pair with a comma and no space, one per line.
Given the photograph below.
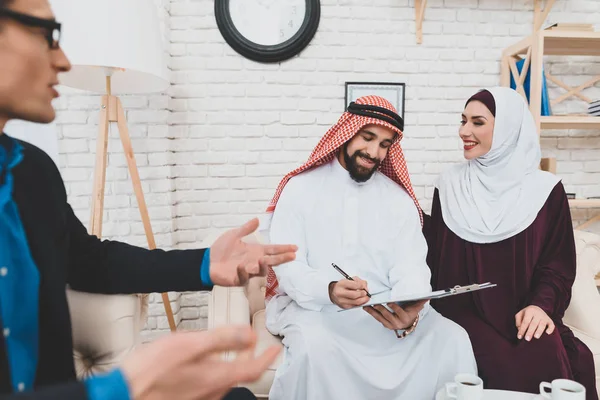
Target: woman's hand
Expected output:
[532,321]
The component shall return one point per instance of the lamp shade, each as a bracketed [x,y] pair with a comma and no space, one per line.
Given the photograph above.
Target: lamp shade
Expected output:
[122,34]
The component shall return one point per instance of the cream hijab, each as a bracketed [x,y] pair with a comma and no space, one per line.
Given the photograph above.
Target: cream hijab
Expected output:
[499,194]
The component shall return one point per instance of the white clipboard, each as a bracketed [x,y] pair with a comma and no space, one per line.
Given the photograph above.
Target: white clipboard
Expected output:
[384,298]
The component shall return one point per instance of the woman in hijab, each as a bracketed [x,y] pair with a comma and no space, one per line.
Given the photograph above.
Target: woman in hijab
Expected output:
[498,218]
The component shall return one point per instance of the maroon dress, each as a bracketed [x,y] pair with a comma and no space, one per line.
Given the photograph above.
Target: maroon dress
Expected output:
[534,267]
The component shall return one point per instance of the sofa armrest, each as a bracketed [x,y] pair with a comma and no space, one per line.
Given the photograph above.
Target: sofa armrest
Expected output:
[228,306]
[582,312]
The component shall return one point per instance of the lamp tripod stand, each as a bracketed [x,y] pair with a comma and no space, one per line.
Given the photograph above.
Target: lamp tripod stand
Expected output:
[112,111]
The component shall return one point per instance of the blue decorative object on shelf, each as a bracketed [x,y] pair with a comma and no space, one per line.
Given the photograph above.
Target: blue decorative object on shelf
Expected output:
[546,110]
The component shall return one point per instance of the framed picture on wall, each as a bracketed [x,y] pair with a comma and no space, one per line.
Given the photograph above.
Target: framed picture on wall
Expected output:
[391,91]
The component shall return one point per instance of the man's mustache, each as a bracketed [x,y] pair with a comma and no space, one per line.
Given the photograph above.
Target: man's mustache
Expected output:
[359,154]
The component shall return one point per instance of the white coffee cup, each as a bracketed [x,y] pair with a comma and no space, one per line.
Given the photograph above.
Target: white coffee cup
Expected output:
[562,389]
[465,387]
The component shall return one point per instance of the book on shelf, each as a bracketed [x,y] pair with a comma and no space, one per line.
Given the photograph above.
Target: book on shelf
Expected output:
[594,108]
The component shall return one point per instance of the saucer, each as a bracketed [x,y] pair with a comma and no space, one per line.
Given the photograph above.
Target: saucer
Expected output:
[489,394]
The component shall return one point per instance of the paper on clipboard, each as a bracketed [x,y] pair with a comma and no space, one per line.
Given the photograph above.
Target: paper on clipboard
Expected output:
[384,297]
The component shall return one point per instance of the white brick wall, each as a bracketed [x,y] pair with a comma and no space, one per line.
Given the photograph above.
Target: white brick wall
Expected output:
[212,150]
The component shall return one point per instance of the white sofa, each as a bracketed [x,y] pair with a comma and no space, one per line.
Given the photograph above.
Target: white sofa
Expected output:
[105,329]
[246,306]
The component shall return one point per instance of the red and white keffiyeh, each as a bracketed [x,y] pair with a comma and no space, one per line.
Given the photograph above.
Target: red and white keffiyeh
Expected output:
[393,166]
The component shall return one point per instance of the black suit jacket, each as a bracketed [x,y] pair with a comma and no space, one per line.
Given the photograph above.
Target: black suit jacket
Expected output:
[66,254]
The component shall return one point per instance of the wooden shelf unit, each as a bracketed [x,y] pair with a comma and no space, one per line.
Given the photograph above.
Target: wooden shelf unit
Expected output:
[560,43]
[584,203]
[420,6]
[569,122]
[533,48]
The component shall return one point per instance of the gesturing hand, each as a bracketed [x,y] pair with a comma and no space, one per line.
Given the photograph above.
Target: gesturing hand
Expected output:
[532,321]
[347,294]
[400,318]
[233,262]
[188,366]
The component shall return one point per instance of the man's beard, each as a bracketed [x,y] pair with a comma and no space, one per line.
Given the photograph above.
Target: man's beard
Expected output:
[358,172]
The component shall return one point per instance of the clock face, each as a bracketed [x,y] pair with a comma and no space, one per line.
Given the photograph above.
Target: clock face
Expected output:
[268,30]
[267,22]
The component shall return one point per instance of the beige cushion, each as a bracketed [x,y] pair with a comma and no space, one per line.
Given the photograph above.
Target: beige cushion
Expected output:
[105,329]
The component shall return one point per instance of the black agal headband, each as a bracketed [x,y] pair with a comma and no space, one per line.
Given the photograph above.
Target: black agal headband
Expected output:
[376,112]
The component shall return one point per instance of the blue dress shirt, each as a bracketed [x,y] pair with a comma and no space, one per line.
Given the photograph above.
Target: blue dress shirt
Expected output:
[205,269]
[19,281]
[19,285]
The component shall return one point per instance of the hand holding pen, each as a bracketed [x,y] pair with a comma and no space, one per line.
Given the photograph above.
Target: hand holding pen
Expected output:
[345,275]
[350,292]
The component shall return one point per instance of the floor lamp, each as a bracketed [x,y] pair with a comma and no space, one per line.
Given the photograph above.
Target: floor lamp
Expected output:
[115,48]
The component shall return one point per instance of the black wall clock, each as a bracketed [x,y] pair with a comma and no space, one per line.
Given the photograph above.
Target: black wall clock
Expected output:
[268,31]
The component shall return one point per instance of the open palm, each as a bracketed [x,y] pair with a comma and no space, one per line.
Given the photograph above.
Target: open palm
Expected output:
[233,262]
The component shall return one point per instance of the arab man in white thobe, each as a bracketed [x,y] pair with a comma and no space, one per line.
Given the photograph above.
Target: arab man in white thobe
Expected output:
[352,204]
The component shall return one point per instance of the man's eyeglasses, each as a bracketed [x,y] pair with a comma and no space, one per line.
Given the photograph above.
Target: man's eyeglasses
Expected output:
[51,27]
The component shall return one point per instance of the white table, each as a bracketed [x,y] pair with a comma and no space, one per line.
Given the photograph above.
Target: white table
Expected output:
[489,394]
